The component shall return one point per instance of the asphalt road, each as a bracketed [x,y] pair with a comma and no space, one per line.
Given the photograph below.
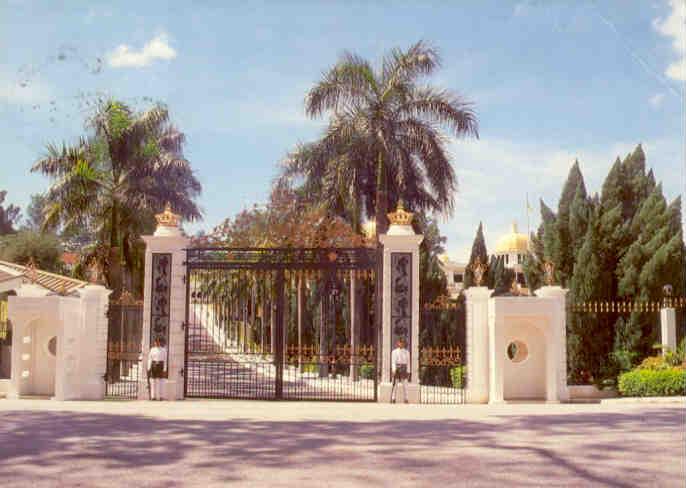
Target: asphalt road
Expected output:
[247,443]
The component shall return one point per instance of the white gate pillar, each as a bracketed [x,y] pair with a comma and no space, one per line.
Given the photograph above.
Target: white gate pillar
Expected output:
[667,322]
[477,344]
[557,389]
[164,301]
[400,314]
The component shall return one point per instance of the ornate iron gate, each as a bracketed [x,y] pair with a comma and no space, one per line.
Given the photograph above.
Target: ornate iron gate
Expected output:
[124,332]
[442,371]
[291,324]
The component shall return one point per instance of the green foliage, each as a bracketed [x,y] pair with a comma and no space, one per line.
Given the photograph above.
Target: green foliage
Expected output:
[478,251]
[626,341]
[44,249]
[458,376]
[112,181]
[653,382]
[367,371]
[502,278]
[8,216]
[383,140]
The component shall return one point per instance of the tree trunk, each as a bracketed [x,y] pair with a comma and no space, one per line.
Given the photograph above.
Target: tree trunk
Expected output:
[114,270]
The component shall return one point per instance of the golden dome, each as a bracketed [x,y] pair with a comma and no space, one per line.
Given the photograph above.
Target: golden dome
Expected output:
[513,243]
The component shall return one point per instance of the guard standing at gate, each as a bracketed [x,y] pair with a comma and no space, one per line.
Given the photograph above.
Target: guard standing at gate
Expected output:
[157,369]
[400,368]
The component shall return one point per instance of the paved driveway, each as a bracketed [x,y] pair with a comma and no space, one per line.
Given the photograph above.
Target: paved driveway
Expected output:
[217,443]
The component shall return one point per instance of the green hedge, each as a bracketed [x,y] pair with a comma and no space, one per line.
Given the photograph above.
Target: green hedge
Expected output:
[458,374]
[367,371]
[653,382]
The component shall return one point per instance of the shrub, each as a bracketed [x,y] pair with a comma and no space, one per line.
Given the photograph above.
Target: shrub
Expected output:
[367,371]
[310,368]
[458,374]
[654,363]
[653,382]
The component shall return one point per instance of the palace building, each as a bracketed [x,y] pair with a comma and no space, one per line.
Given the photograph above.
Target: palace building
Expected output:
[512,248]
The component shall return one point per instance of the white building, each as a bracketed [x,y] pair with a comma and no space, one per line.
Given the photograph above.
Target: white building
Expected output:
[454,273]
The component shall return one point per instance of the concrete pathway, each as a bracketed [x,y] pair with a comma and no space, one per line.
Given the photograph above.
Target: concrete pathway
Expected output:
[244,443]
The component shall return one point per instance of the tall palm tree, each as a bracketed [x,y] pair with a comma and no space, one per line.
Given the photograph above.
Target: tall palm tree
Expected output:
[384,139]
[114,180]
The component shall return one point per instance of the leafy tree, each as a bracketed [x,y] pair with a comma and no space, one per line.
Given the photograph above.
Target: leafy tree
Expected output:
[114,180]
[589,335]
[478,251]
[8,216]
[432,280]
[383,141]
[563,249]
[502,278]
[21,247]
[35,212]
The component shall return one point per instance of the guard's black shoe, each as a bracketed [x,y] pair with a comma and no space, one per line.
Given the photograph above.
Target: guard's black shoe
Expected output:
[392,400]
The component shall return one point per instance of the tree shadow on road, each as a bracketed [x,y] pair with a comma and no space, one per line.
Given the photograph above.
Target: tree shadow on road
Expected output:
[35,441]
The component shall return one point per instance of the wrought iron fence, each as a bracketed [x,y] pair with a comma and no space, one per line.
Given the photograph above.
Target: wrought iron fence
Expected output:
[124,333]
[442,374]
[5,342]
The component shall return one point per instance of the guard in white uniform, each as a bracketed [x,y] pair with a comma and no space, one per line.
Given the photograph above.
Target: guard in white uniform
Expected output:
[157,369]
[400,368]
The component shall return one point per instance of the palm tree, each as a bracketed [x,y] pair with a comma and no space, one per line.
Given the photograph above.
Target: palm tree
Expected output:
[384,140]
[113,181]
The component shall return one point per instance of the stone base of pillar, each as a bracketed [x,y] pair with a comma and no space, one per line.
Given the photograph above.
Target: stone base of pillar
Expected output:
[384,394]
[172,390]
[93,390]
[476,396]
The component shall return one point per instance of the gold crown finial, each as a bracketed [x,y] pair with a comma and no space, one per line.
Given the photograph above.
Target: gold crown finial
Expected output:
[400,216]
[167,218]
[479,269]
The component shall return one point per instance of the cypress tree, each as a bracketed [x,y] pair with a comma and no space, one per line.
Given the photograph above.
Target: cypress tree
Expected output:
[654,259]
[478,251]
[589,336]
[579,217]
[563,256]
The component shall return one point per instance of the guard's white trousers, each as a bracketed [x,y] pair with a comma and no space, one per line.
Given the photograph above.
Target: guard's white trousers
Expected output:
[396,386]
[156,388]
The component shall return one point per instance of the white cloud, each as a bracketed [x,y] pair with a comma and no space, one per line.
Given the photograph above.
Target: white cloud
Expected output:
[674,27]
[656,100]
[126,57]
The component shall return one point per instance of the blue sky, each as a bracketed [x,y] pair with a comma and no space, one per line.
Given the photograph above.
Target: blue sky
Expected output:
[551,82]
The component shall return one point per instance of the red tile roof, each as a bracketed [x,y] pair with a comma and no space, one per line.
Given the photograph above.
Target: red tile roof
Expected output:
[50,281]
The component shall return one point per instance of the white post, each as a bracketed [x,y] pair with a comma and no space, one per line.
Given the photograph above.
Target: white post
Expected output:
[668,329]
[400,314]
[557,389]
[476,338]
[164,305]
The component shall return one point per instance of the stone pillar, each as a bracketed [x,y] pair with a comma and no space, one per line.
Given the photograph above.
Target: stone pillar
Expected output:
[477,340]
[164,305]
[93,340]
[556,364]
[400,314]
[668,329]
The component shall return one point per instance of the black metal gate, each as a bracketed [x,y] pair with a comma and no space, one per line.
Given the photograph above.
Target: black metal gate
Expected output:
[291,324]
[442,370]
[124,332]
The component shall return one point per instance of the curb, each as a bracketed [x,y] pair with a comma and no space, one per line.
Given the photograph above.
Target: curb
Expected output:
[672,399]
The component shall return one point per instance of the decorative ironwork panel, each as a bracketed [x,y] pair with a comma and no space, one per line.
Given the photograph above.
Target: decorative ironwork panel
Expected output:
[161,289]
[401,299]
[282,258]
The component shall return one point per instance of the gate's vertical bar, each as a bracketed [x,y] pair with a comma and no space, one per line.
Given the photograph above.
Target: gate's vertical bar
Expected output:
[186,325]
[278,353]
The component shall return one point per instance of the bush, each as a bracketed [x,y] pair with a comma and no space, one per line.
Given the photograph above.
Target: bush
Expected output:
[640,382]
[654,363]
[367,371]
[458,374]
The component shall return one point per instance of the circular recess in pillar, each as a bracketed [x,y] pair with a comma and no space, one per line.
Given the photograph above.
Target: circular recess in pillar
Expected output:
[52,346]
[517,351]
